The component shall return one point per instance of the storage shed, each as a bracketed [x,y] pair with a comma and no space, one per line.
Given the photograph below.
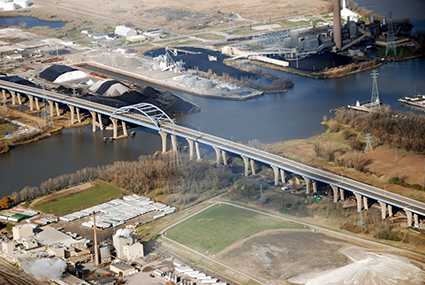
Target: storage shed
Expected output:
[124,31]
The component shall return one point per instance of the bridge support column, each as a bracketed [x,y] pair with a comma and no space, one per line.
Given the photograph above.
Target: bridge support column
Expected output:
[190,142]
[71,109]
[31,99]
[164,140]
[115,127]
[314,182]
[124,128]
[223,152]
[174,142]
[246,162]
[390,211]
[99,117]
[18,95]
[359,202]
[78,114]
[217,154]
[366,206]
[383,209]
[416,219]
[409,217]
[335,190]
[4,95]
[282,176]
[341,193]
[307,185]
[276,174]
[252,166]
[93,120]
[57,109]
[37,106]
[13,95]
[198,151]
[51,107]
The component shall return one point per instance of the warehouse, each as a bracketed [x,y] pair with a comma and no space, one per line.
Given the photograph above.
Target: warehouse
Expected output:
[124,31]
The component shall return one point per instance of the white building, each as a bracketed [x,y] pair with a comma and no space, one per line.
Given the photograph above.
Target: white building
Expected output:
[22,231]
[347,14]
[124,31]
[133,252]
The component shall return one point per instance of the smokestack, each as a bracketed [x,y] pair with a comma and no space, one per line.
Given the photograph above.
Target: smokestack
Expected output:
[337,24]
[96,253]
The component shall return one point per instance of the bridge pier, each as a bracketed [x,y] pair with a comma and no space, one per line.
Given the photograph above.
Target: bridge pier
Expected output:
[365,203]
[93,120]
[252,166]
[276,174]
[51,107]
[359,202]
[99,117]
[335,190]
[383,209]
[78,114]
[174,142]
[190,142]
[246,163]
[124,126]
[341,193]
[217,154]
[13,95]
[282,176]
[31,99]
[409,217]
[115,127]
[223,152]
[314,182]
[37,106]
[164,140]
[198,151]
[416,219]
[307,185]
[4,95]
[18,95]
[71,108]
[390,211]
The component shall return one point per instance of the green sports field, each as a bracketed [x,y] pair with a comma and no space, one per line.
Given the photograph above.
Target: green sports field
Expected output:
[66,204]
[221,225]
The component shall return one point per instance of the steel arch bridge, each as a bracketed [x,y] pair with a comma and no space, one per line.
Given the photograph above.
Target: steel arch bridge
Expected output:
[155,114]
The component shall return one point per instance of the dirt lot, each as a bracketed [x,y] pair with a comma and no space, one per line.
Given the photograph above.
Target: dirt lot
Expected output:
[183,15]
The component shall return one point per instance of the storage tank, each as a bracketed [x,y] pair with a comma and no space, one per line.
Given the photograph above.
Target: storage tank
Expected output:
[9,6]
[372,19]
[384,21]
[203,84]
[21,3]
[190,81]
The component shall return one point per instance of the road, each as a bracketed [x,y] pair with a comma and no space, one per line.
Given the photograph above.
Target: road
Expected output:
[232,147]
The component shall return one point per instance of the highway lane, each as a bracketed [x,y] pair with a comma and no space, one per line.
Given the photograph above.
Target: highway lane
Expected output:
[233,147]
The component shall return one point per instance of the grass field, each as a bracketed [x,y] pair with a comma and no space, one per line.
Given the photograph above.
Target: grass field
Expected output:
[73,202]
[219,226]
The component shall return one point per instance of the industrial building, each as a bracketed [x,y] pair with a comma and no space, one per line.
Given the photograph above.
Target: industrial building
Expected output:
[123,269]
[124,31]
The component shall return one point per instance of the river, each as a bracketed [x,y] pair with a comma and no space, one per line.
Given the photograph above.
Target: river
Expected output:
[294,114]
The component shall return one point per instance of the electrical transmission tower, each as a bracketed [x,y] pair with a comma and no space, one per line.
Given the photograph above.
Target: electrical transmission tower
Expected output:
[374,99]
[390,37]
[368,143]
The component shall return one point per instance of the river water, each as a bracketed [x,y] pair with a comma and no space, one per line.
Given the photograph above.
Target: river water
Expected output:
[294,114]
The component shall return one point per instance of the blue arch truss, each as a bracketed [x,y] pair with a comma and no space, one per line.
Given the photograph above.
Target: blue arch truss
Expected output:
[155,114]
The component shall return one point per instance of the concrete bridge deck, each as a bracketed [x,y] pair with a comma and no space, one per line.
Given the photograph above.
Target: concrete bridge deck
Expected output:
[361,190]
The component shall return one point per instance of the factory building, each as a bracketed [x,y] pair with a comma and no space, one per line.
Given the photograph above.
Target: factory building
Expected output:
[133,252]
[123,269]
[22,231]
[347,14]
[123,237]
[124,31]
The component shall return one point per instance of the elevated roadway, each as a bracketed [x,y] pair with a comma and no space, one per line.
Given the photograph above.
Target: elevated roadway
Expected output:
[221,146]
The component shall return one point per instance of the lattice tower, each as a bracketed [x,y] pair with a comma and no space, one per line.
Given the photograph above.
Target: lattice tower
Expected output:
[390,37]
[374,99]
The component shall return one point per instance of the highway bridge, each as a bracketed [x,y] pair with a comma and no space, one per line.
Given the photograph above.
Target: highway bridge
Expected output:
[149,116]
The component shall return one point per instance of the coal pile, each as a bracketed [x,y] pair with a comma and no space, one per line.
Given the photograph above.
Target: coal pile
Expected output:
[18,80]
[53,72]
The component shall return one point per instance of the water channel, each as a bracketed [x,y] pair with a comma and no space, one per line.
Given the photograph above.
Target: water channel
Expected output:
[294,114]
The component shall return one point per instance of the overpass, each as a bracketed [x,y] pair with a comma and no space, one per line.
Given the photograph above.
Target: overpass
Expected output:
[152,117]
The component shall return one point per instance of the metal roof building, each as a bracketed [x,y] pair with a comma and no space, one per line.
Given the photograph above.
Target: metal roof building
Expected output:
[124,31]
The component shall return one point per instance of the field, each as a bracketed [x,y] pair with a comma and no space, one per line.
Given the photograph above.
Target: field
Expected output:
[72,201]
[220,226]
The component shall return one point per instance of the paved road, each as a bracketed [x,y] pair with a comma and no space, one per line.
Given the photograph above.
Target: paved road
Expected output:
[233,147]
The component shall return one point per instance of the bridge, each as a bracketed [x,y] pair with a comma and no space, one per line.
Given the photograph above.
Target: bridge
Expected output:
[149,116]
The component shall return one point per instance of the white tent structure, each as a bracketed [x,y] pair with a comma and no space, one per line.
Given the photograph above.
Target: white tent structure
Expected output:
[124,31]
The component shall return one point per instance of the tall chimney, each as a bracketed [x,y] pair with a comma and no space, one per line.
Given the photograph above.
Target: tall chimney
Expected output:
[96,251]
[337,24]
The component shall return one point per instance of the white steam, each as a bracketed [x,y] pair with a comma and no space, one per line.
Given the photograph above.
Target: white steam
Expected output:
[45,268]
[123,233]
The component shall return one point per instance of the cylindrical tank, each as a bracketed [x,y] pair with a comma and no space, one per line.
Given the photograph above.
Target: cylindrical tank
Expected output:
[9,6]
[294,38]
[372,19]
[21,3]
[2,3]
[190,81]
[384,21]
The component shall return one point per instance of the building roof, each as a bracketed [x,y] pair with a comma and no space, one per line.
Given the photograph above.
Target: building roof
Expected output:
[122,266]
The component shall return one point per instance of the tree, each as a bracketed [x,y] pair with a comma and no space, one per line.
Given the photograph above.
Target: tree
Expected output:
[6,202]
